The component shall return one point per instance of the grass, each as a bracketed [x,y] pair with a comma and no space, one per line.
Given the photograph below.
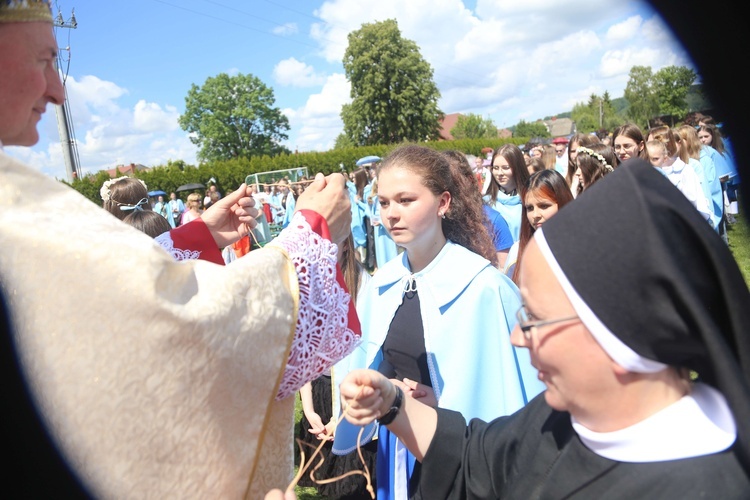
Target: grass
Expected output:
[302,493]
[738,235]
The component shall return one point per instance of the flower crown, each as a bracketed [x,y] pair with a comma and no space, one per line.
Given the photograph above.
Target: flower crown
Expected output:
[104,191]
[596,155]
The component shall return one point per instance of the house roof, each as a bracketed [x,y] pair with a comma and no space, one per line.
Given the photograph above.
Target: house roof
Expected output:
[447,124]
[126,170]
[560,127]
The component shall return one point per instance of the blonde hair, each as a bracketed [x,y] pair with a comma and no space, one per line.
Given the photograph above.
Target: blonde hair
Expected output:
[194,198]
[656,144]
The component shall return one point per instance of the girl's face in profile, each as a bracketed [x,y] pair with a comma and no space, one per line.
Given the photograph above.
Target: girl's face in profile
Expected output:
[539,208]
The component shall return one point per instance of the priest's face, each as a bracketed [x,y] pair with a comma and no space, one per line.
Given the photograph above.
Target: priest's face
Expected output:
[28,80]
[575,369]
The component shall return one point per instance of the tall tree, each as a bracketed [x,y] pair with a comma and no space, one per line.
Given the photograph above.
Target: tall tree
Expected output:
[530,129]
[671,85]
[394,98]
[473,126]
[234,117]
[639,92]
[586,116]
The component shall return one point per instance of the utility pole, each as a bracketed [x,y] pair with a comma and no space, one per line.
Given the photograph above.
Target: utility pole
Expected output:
[64,122]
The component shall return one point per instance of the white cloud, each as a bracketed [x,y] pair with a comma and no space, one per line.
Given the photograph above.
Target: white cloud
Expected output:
[150,117]
[318,122]
[286,29]
[624,31]
[294,73]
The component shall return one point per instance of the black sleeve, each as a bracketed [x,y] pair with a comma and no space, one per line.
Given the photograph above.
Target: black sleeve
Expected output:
[482,460]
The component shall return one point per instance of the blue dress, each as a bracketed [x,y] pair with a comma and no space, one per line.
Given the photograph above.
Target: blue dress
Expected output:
[467,311]
[509,207]
[385,248]
[288,209]
[499,230]
[359,212]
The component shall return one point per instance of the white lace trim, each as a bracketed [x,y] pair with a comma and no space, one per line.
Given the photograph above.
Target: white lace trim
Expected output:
[165,240]
[322,337]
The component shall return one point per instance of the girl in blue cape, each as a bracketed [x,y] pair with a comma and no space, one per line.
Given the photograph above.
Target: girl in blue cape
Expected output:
[436,320]
[385,248]
[360,211]
[509,173]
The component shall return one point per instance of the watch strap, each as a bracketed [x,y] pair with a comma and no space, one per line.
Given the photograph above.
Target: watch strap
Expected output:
[392,413]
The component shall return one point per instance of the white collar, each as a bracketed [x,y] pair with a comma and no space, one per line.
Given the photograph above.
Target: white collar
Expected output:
[696,425]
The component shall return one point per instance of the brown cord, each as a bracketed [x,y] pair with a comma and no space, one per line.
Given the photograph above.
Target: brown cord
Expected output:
[304,465]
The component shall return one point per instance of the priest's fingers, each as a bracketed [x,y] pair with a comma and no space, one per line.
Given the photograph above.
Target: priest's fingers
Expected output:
[329,197]
[280,495]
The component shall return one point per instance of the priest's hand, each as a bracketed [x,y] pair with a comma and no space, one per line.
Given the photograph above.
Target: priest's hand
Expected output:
[279,495]
[329,197]
[232,217]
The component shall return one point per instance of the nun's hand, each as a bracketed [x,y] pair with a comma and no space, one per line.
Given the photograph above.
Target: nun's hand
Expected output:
[365,396]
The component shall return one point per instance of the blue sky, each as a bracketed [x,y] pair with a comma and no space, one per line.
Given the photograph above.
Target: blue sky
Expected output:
[131,64]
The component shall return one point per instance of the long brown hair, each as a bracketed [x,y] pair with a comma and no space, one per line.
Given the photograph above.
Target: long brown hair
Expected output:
[464,221]
[350,267]
[716,141]
[549,184]
[579,139]
[592,168]
[514,156]
[690,141]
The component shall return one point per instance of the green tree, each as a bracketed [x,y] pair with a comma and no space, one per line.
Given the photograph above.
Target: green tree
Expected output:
[473,126]
[599,113]
[639,92]
[585,116]
[671,85]
[394,97]
[234,117]
[343,141]
[533,129]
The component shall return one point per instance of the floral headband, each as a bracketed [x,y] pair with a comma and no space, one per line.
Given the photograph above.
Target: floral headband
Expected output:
[104,191]
[599,157]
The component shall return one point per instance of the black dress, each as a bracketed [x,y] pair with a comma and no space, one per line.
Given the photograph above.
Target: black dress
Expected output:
[349,488]
[536,454]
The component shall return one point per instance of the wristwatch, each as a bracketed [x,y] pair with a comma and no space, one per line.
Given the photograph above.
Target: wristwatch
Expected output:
[391,414]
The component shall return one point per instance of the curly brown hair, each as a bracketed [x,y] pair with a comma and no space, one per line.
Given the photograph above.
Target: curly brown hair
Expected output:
[464,221]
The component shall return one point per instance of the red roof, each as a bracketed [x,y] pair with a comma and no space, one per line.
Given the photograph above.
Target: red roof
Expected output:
[448,122]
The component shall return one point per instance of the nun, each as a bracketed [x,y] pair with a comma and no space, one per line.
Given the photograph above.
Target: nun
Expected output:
[638,320]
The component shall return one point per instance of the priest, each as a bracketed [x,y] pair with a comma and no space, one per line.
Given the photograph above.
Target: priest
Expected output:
[153,373]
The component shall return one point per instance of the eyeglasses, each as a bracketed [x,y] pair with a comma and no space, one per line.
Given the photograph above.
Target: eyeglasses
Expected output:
[526,323]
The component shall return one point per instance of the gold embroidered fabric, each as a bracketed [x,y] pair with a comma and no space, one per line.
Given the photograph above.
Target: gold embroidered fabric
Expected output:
[156,378]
